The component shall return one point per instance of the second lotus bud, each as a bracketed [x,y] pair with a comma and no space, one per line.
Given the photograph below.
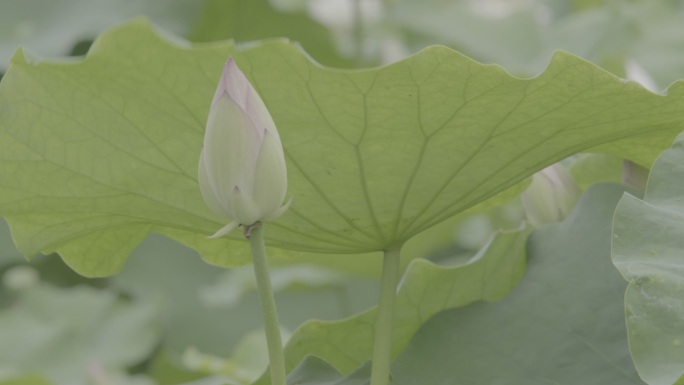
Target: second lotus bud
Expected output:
[551,195]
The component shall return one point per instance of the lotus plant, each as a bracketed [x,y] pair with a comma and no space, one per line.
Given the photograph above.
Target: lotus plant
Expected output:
[243,179]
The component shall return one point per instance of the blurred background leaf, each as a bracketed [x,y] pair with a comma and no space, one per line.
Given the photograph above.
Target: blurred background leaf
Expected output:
[55,28]
[75,335]
[425,290]
[252,20]
[314,371]
[647,250]
[521,35]
[175,278]
[563,324]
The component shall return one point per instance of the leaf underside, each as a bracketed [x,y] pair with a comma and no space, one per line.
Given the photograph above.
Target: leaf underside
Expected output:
[96,154]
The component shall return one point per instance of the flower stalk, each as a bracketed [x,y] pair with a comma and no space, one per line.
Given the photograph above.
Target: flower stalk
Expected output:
[255,234]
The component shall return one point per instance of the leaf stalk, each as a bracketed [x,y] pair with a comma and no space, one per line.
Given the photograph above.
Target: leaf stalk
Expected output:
[382,348]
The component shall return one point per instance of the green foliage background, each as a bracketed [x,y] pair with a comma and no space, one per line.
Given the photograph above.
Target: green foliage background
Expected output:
[98,165]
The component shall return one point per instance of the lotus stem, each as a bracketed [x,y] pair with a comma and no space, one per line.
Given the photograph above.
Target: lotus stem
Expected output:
[255,234]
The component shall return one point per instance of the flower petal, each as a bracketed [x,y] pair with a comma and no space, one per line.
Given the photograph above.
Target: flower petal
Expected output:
[240,90]
[234,83]
[230,149]
[243,209]
[207,190]
[270,175]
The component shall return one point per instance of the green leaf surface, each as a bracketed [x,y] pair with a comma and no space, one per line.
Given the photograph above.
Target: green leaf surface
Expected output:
[97,154]
[425,290]
[68,335]
[562,324]
[647,249]
[589,169]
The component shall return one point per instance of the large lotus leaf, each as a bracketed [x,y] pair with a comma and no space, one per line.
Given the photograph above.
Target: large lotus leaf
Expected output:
[96,154]
[648,249]
[425,290]
[562,324]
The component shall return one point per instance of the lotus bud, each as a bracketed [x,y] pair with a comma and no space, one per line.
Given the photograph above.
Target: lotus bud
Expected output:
[242,174]
[551,195]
